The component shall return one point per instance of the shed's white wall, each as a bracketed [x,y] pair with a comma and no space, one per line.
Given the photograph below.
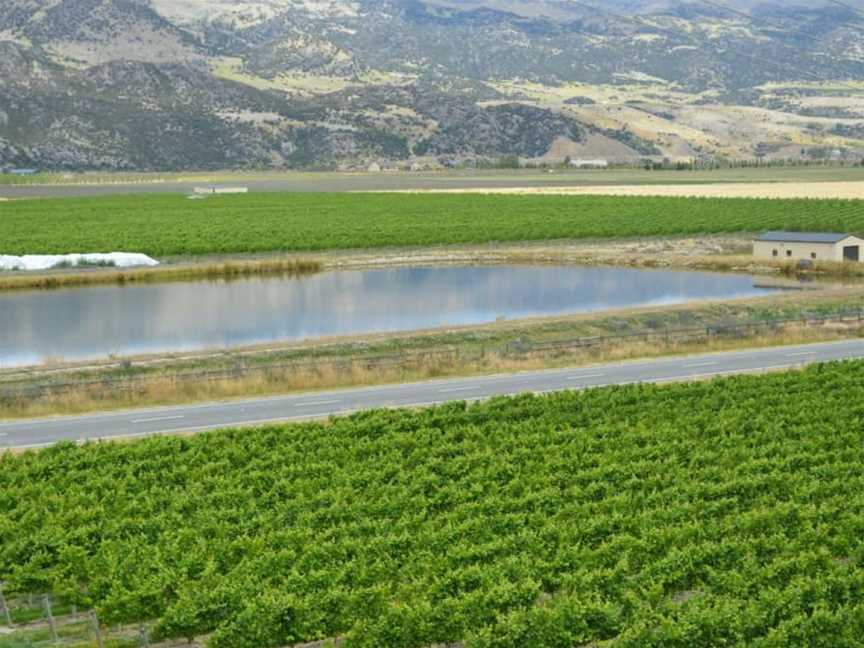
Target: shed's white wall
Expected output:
[231,190]
[823,251]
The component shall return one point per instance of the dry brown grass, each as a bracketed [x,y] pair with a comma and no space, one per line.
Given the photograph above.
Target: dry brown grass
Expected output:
[839,269]
[739,263]
[224,270]
[168,389]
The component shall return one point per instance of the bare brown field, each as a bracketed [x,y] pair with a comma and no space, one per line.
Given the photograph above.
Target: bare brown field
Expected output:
[814,190]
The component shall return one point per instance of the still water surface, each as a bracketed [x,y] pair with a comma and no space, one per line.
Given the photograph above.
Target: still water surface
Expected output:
[86,323]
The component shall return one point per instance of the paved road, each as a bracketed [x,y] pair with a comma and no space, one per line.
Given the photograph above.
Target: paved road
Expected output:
[167,420]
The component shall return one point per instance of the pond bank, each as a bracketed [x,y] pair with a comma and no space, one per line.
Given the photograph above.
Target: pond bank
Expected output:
[710,254]
[73,278]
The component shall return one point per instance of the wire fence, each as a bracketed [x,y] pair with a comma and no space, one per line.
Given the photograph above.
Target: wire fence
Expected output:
[41,620]
[513,349]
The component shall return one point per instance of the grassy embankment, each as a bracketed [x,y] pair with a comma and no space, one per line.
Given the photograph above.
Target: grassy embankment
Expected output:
[174,228]
[380,359]
[290,267]
[703,514]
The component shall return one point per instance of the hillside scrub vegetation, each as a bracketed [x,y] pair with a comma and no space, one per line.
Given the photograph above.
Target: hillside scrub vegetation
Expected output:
[171,225]
[724,513]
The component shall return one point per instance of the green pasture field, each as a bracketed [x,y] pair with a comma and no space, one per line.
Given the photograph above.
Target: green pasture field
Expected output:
[727,513]
[173,225]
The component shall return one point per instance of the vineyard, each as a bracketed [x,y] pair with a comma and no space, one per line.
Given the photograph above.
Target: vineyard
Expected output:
[707,514]
[171,225]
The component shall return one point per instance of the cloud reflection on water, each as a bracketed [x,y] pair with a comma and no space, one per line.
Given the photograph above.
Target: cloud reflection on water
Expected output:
[93,322]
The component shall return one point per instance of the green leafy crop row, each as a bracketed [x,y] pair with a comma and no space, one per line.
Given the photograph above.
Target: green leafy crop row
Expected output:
[710,514]
[168,225]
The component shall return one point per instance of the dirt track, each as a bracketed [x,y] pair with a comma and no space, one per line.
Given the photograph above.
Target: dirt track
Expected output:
[571,180]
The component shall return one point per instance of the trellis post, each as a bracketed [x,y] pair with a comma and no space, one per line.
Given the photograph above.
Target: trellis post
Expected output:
[5,608]
[46,603]
[97,629]
[143,637]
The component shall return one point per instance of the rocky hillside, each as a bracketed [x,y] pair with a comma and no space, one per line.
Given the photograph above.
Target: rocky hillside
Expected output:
[177,84]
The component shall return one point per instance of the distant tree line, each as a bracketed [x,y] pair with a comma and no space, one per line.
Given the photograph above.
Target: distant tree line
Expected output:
[695,164]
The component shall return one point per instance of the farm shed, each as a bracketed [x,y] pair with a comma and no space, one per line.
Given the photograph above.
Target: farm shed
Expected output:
[589,164]
[811,246]
[204,191]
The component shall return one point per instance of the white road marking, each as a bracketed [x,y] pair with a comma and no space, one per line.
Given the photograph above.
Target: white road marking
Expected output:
[314,403]
[34,445]
[700,364]
[457,389]
[798,355]
[687,377]
[729,372]
[586,376]
[157,419]
[234,424]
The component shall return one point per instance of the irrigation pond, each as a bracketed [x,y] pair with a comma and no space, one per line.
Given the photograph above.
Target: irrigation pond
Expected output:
[89,323]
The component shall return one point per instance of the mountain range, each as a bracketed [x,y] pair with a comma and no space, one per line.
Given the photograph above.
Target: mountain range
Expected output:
[207,84]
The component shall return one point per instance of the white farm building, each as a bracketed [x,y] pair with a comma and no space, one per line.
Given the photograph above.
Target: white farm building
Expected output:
[212,191]
[589,164]
[810,246]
